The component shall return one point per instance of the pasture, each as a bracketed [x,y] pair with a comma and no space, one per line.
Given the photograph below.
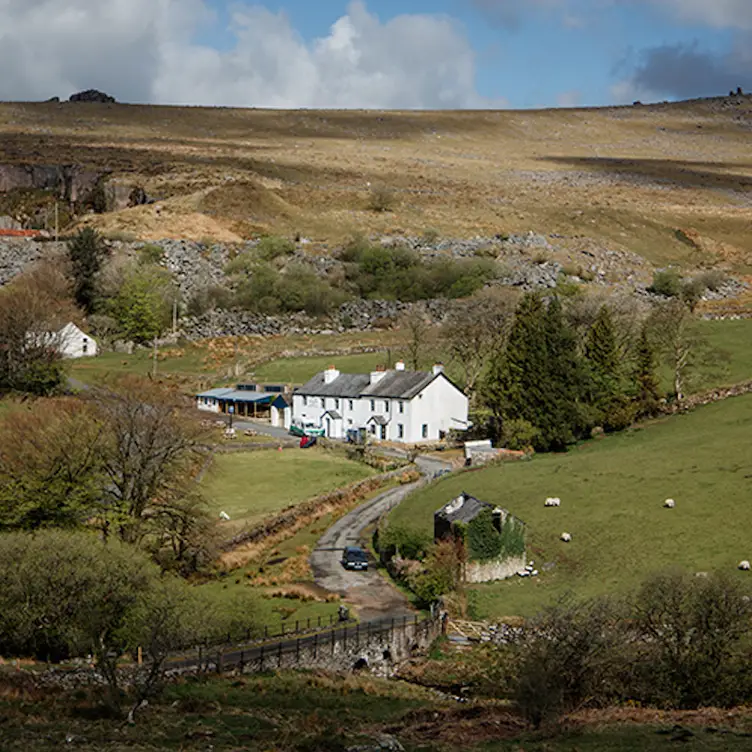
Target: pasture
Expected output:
[612,491]
[250,486]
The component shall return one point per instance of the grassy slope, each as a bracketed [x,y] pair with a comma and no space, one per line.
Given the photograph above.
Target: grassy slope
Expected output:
[612,492]
[598,173]
[252,485]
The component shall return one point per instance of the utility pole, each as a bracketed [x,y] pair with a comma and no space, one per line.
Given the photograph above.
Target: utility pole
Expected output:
[154,364]
[174,316]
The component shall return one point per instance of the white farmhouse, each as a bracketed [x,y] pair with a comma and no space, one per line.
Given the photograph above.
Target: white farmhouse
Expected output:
[398,405]
[71,342]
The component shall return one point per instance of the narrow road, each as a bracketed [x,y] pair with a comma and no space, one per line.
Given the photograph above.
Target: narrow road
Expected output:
[372,595]
[262,428]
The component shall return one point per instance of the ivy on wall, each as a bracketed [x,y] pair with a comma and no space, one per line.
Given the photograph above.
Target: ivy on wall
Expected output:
[485,543]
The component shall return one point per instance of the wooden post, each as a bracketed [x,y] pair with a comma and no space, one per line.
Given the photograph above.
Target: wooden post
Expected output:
[174,316]
[154,363]
[315,645]
[140,656]
[279,654]
[57,223]
[297,651]
[261,659]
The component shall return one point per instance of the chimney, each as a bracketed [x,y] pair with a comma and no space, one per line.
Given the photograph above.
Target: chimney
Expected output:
[330,374]
[378,374]
[399,365]
[438,368]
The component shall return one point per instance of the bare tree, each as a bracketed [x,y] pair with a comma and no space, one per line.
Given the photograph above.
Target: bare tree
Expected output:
[33,311]
[152,446]
[420,337]
[478,327]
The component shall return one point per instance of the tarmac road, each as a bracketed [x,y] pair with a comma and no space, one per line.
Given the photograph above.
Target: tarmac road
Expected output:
[372,595]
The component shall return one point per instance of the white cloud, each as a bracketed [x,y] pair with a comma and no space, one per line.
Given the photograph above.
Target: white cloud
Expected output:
[145,51]
[569,99]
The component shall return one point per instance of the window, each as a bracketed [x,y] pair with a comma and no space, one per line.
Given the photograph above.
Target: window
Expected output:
[305,401]
[350,422]
[336,404]
[85,346]
[425,430]
[402,407]
[349,404]
[386,406]
[373,406]
[373,428]
[400,431]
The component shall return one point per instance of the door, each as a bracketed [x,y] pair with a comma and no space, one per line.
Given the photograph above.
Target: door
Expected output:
[329,428]
[383,433]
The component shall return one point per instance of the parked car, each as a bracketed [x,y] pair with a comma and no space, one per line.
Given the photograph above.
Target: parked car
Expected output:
[355,558]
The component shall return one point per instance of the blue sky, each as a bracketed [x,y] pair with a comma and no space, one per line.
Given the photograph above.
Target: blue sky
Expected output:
[377,53]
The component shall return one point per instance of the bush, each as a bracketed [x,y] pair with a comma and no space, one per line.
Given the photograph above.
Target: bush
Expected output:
[271,247]
[404,542]
[667,283]
[713,279]
[382,199]
[150,254]
[209,298]
[518,434]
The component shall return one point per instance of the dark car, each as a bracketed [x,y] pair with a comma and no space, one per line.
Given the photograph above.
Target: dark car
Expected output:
[354,558]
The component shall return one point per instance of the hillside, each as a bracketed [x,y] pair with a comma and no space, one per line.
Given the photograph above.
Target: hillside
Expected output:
[622,178]
[612,493]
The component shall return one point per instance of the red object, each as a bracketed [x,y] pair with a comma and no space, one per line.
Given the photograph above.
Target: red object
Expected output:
[20,233]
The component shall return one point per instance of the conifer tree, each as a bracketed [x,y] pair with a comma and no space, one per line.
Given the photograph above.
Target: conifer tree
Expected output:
[86,253]
[602,357]
[647,390]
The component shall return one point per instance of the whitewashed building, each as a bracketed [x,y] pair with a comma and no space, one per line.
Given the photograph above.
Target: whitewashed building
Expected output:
[74,343]
[396,405]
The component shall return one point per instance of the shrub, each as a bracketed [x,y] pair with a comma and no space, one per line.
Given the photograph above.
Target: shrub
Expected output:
[713,279]
[273,246]
[482,537]
[405,542]
[150,254]
[667,283]
[518,434]
[382,199]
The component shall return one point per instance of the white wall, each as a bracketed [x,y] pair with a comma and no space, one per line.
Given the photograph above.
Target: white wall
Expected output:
[76,344]
[208,404]
[439,406]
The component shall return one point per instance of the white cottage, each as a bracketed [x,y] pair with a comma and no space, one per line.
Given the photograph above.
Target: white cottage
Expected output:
[74,343]
[397,405]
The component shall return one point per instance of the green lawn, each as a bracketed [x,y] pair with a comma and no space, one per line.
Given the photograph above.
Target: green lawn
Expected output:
[735,339]
[299,370]
[249,486]
[612,493]
[186,361]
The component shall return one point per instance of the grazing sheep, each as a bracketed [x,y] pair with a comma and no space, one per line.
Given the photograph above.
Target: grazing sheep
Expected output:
[669,504]
[224,516]
[534,573]
[744,566]
[566,537]
[553,501]
[523,573]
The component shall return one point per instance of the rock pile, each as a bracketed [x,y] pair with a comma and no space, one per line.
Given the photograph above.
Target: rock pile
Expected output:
[92,95]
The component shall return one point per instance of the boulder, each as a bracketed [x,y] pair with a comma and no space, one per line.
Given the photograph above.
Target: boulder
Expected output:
[92,95]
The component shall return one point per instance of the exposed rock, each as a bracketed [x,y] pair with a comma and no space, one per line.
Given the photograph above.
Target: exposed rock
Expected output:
[382,743]
[92,95]
[69,182]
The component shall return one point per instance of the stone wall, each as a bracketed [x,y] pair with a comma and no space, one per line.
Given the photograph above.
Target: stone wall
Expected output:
[488,571]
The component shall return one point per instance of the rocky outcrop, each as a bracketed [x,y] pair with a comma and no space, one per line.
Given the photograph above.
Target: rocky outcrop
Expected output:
[17,254]
[92,95]
[70,183]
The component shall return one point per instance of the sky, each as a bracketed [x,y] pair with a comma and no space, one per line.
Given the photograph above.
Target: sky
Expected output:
[376,54]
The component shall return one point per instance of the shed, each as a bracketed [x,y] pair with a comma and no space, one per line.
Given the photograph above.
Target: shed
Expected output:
[464,509]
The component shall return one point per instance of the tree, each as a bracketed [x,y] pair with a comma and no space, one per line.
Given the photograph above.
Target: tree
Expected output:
[143,304]
[50,466]
[86,252]
[68,595]
[31,317]
[645,379]
[475,329]
[149,452]
[420,337]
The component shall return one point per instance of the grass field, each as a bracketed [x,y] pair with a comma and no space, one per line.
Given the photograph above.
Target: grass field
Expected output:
[612,492]
[733,338]
[249,486]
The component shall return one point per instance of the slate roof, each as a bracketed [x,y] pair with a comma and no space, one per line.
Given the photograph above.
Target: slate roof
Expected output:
[333,414]
[466,511]
[380,419]
[394,384]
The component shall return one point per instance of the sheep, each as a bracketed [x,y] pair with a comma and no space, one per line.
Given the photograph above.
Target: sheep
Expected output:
[566,537]
[745,566]
[224,516]
[553,501]
[523,573]
[534,573]
[669,504]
